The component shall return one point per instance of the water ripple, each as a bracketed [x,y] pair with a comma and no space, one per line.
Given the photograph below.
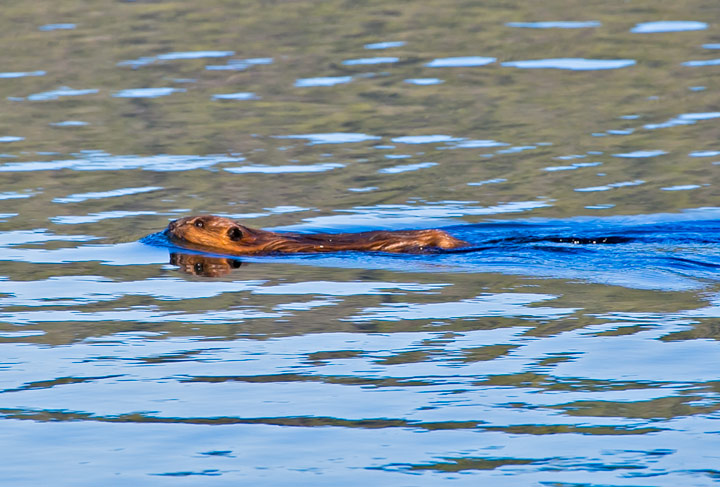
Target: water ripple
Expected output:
[239,64]
[683,119]
[681,187]
[385,45]
[607,187]
[60,92]
[49,27]
[146,92]
[488,181]
[370,60]
[406,168]
[705,62]
[10,138]
[705,153]
[504,304]
[96,217]
[138,314]
[388,216]
[426,139]
[101,161]
[85,290]
[323,81]
[573,64]
[331,138]
[79,197]
[12,195]
[21,74]
[285,169]
[668,26]
[424,81]
[571,167]
[69,123]
[236,96]
[22,237]
[460,62]
[171,56]
[641,154]
[194,55]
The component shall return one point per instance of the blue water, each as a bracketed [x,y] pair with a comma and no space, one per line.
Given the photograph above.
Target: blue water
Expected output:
[573,145]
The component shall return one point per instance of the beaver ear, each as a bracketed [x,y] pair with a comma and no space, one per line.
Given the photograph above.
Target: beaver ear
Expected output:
[235,233]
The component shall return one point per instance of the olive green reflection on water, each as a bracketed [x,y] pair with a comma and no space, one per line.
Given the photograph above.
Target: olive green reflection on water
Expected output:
[591,301]
[521,107]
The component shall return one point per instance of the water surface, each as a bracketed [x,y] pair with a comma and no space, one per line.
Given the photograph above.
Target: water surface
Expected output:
[572,343]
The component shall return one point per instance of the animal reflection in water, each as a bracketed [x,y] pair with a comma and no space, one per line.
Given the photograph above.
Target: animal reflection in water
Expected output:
[205,266]
[215,233]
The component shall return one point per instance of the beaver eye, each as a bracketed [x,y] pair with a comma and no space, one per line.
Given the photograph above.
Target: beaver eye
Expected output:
[199,223]
[235,233]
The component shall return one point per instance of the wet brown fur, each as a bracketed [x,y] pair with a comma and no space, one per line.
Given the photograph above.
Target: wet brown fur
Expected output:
[209,232]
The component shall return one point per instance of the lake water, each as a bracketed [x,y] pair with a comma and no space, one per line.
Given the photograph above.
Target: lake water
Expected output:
[535,357]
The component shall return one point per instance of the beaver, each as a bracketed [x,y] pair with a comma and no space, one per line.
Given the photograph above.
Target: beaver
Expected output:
[225,236]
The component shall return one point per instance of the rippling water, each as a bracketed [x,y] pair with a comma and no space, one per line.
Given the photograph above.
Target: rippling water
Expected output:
[572,343]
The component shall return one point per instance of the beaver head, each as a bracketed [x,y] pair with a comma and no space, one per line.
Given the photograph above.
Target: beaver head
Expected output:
[211,231]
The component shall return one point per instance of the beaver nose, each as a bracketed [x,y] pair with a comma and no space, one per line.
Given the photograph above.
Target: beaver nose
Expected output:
[171,226]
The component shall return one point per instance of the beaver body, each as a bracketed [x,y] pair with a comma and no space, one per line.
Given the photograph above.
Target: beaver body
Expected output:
[214,233]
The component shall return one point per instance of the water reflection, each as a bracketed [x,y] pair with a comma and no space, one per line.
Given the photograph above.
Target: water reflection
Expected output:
[10,138]
[201,265]
[239,64]
[147,92]
[49,27]
[573,64]
[424,81]
[370,60]
[258,168]
[22,74]
[331,138]
[385,45]
[101,161]
[59,93]
[323,81]
[236,96]
[170,56]
[668,26]
[406,167]
[69,123]
[460,62]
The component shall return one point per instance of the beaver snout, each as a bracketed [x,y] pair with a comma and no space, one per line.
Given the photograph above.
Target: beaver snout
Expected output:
[173,226]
